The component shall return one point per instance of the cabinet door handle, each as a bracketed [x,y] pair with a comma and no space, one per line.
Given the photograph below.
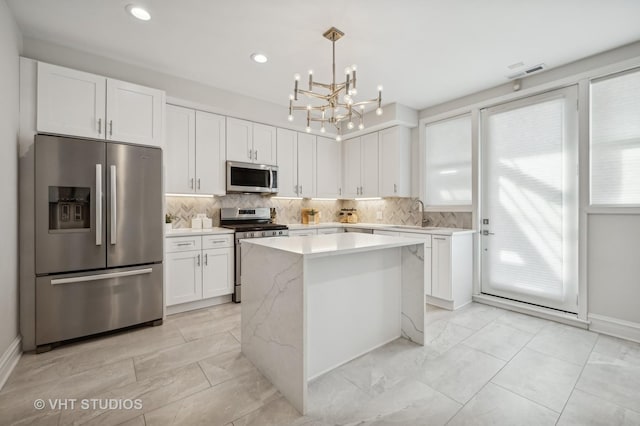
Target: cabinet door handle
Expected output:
[110,127]
[191,183]
[300,189]
[395,188]
[198,183]
[339,191]
[99,126]
[206,259]
[250,154]
[255,155]
[198,264]
[295,189]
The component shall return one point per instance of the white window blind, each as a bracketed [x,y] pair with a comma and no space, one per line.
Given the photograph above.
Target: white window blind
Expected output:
[448,162]
[529,153]
[615,140]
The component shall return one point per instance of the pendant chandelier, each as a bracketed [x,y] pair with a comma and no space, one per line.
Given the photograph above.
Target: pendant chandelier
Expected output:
[337,99]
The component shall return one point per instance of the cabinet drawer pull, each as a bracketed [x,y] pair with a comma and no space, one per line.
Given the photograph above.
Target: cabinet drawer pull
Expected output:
[217,241]
[438,238]
[184,244]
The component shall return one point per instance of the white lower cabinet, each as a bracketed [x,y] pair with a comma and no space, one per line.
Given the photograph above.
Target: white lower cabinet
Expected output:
[325,231]
[452,271]
[302,232]
[198,267]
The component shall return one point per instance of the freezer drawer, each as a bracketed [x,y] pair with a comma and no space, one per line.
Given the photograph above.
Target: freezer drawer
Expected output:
[80,304]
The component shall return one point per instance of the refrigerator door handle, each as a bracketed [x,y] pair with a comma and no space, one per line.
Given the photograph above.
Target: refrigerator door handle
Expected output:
[101,276]
[114,206]
[98,204]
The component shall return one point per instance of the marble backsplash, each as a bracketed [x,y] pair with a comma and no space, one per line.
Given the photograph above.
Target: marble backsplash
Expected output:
[397,211]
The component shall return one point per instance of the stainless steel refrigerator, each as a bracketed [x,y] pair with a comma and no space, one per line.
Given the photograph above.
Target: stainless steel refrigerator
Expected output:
[98,237]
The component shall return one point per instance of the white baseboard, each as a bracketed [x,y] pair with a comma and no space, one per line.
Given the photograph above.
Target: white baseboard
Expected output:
[440,303]
[615,327]
[198,304]
[9,360]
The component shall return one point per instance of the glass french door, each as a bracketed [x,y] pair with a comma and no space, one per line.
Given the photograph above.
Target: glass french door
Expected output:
[529,200]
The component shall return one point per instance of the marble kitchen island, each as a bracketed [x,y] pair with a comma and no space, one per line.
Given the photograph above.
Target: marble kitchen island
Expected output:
[311,304]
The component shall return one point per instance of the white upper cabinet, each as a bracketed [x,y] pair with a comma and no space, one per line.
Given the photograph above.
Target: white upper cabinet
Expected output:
[195,152]
[76,103]
[287,162]
[210,153]
[306,165]
[239,140]
[180,150]
[328,168]
[250,142]
[369,166]
[395,162]
[264,144]
[70,102]
[134,113]
[351,167]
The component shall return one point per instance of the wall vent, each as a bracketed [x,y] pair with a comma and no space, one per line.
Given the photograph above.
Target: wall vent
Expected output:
[534,69]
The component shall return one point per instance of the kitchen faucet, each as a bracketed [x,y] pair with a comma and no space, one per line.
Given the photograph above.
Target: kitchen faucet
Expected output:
[421,210]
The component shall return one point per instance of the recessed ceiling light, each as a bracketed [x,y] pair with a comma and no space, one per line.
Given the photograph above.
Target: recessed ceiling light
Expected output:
[260,58]
[138,12]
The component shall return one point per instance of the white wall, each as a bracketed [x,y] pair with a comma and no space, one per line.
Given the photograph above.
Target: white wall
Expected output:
[613,266]
[613,240]
[10,44]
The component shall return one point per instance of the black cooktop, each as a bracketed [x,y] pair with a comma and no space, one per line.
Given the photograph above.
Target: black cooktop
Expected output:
[241,227]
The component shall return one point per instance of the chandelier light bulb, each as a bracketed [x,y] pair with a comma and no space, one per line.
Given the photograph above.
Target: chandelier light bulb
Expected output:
[353,91]
[353,67]
[310,72]
[338,138]
[322,129]
[350,101]
[308,129]
[296,77]
[291,97]
[379,88]
[379,111]
[347,98]
[347,70]
[361,107]
[360,126]
[290,117]
[350,125]
[308,107]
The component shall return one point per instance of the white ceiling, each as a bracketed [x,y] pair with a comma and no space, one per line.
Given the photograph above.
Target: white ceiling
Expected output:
[423,52]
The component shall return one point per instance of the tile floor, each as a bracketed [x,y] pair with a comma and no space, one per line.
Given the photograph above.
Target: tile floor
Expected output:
[482,365]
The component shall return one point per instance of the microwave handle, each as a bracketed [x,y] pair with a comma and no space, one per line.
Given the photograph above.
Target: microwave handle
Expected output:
[270,178]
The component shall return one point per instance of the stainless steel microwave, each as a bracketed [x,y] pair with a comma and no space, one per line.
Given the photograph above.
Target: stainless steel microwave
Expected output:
[249,177]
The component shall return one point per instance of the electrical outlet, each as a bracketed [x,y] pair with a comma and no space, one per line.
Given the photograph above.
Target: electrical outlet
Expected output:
[379,215]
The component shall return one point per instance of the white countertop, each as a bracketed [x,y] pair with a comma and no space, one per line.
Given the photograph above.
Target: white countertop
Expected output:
[434,230]
[332,244]
[185,232]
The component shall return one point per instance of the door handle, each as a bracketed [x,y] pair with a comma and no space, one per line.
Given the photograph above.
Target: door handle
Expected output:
[98,204]
[486,232]
[114,205]
[101,276]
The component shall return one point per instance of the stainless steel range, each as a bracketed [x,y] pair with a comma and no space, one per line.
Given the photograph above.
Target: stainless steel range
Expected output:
[249,223]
